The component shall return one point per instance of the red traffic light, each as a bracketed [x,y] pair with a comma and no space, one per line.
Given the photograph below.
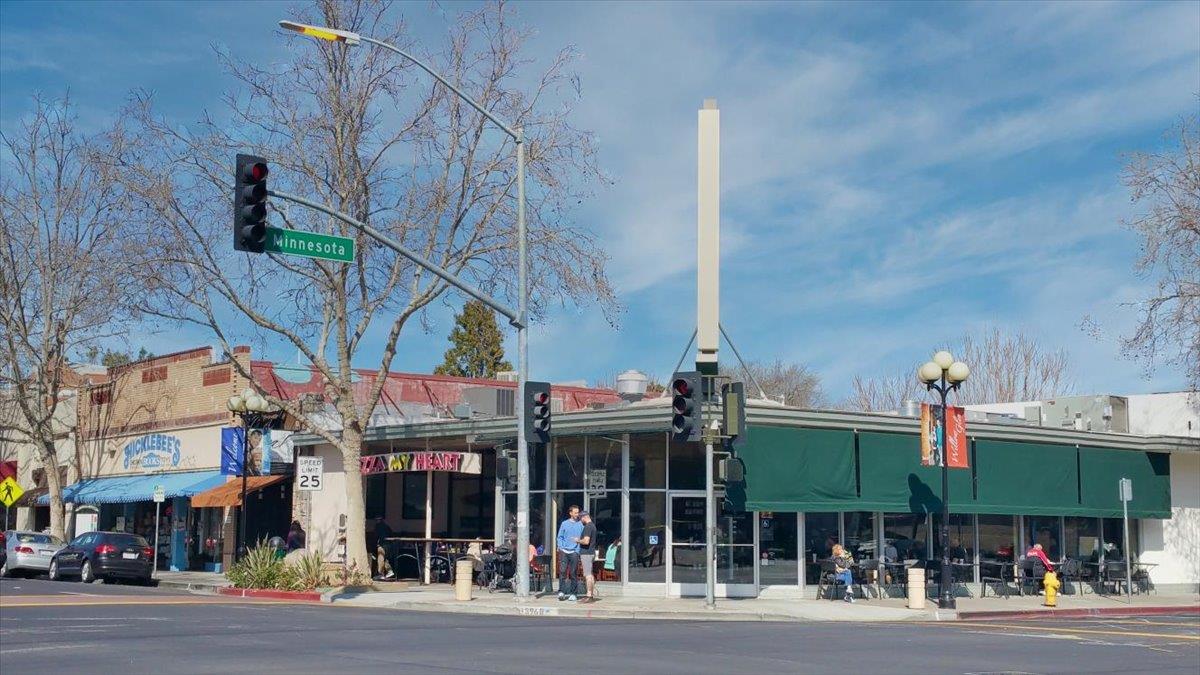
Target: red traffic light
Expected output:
[541,398]
[681,387]
[256,172]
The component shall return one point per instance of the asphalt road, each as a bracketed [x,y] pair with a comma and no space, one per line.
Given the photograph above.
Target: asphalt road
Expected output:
[69,627]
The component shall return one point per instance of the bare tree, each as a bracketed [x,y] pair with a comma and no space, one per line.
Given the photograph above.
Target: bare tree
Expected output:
[792,384]
[363,131]
[1168,184]
[65,266]
[1005,366]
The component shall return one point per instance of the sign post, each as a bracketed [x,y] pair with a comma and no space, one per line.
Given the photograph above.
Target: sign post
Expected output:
[1126,488]
[160,496]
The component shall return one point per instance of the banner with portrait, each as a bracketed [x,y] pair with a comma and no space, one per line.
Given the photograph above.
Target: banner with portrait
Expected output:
[933,440]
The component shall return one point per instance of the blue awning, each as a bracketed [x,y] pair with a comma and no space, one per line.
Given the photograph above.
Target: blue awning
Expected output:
[123,489]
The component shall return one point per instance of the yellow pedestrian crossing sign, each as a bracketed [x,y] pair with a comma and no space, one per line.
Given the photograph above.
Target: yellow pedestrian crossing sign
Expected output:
[10,491]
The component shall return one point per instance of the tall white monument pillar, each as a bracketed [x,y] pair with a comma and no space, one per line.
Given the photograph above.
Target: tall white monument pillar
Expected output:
[708,230]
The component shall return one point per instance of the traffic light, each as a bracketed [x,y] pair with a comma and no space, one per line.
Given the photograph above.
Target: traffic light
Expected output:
[250,204]
[730,470]
[733,408]
[506,468]
[537,412]
[685,406]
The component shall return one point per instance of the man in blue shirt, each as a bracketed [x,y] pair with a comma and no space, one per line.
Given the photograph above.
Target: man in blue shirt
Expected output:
[567,543]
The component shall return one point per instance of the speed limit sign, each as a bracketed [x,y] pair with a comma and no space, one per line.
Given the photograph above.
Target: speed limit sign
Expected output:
[309,472]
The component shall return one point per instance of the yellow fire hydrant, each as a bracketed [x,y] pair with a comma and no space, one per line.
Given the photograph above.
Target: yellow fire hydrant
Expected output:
[1051,584]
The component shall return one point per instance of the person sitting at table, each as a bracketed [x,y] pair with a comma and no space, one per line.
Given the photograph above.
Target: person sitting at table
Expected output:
[890,554]
[382,532]
[957,552]
[1037,552]
[842,562]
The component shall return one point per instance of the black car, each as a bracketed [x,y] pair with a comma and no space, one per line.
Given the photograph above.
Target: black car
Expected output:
[104,555]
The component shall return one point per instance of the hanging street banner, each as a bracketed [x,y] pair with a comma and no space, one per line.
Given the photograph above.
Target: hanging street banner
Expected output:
[309,244]
[932,436]
[456,462]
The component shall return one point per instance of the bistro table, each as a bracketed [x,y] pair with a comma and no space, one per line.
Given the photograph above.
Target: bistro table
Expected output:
[429,550]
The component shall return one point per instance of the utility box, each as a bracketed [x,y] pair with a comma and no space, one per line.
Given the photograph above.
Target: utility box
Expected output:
[1087,413]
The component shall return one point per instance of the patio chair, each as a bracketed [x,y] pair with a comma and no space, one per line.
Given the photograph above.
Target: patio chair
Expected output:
[828,579]
[997,578]
[1032,571]
[1114,575]
[1071,572]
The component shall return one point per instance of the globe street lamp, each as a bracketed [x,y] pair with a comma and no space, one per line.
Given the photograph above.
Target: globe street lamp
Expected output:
[943,374]
[250,407]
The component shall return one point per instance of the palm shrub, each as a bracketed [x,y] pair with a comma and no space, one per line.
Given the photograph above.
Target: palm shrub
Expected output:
[260,568]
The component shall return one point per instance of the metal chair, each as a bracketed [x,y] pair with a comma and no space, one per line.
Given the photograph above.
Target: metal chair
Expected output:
[1071,571]
[1114,574]
[828,578]
[1032,572]
[999,579]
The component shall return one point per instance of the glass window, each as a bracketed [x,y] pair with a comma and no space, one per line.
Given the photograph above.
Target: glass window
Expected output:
[777,549]
[1083,538]
[648,461]
[909,533]
[606,514]
[687,540]
[687,466]
[537,520]
[605,454]
[860,534]
[1114,538]
[820,534]
[962,537]
[537,467]
[471,505]
[1044,530]
[568,461]
[647,536]
[375,495]
[997,538]
[414,496]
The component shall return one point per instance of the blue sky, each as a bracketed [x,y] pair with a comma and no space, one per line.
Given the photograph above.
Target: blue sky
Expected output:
[893,175]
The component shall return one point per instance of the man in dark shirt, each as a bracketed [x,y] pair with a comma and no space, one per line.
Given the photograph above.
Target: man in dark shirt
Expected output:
[587,555]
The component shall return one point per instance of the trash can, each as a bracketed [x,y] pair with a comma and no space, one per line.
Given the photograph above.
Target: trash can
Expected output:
[916,588]
[464,577]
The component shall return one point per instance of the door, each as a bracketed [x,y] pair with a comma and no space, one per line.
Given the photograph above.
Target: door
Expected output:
[686,567]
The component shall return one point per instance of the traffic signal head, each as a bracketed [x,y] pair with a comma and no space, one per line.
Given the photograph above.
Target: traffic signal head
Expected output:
[250,204]
[537,412]
[733,409]
[685,406]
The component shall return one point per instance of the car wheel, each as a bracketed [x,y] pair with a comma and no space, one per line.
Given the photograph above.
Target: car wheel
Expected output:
[53,571]
[85,572]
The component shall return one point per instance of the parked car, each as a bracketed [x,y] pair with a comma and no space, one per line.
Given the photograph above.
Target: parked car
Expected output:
[3,549]
[104,555]
[27,552]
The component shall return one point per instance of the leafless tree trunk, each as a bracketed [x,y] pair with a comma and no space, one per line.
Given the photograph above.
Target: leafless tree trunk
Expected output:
[65,271]
[1005,366]
[1168,184]
[366,133]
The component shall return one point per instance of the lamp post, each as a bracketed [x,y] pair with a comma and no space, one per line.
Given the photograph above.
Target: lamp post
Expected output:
[248,406]
[943,375]
[522,323]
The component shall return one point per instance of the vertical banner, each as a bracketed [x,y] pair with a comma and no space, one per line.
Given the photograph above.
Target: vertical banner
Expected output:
[232,442]
[266,453]
[934,438]
[958,452]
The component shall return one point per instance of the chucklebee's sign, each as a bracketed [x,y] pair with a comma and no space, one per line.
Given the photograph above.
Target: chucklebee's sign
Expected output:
[428,460]
[153,451]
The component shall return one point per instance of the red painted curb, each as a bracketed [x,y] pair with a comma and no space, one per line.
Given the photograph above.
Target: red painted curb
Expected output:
[1050,613]
[303,596]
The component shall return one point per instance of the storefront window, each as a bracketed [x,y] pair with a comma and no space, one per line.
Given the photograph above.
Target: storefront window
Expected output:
[777,549]
[997,538]
[687,466]
[604,454]
[860,534]
[735,545]
[375,495]
[1083,538]
[909,533]
[962,537]
[414,496]
[820,534]
[1114,539]
[568,461]
[1044,530]
[537,521]
[606,514]
[648,461]
[647,536]
[537,466]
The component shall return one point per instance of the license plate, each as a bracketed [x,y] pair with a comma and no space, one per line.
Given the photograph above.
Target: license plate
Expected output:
[129,556]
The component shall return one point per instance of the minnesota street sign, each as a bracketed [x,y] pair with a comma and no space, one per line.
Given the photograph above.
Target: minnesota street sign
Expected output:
[309,244]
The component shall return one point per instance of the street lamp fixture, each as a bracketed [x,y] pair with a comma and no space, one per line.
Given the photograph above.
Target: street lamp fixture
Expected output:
[522,320]
[250,407]
[943,375]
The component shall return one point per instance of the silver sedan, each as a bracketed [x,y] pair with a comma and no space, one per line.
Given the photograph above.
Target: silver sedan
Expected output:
[28,552]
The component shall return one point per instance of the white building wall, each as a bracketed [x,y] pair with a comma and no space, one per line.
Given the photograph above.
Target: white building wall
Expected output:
[1174,545]
[1172,414]
[327,505]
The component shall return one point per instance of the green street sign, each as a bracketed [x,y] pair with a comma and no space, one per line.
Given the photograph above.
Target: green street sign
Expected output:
[309,244]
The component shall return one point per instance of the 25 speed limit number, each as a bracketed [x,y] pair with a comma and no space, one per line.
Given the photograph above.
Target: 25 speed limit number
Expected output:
[309,471]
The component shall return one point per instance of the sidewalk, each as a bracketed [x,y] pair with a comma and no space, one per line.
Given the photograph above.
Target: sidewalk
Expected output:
[441,599]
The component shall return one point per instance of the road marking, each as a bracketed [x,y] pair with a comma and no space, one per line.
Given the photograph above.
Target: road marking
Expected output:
[26,650]
[1086,631]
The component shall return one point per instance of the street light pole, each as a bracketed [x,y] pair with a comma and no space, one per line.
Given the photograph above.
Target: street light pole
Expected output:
[522,321]
[943,375]
[248,407]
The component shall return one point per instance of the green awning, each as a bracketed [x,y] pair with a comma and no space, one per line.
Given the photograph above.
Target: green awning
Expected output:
[792,469]
[893,479]
[1036,479]
[1101,468]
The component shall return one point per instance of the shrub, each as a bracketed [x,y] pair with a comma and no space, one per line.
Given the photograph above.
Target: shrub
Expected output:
[263,568]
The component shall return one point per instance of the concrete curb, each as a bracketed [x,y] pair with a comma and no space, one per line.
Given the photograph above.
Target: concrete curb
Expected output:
[300,596]
[190,586]
[1084,612]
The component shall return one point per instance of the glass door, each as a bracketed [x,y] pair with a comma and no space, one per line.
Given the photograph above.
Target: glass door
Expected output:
[735,549]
